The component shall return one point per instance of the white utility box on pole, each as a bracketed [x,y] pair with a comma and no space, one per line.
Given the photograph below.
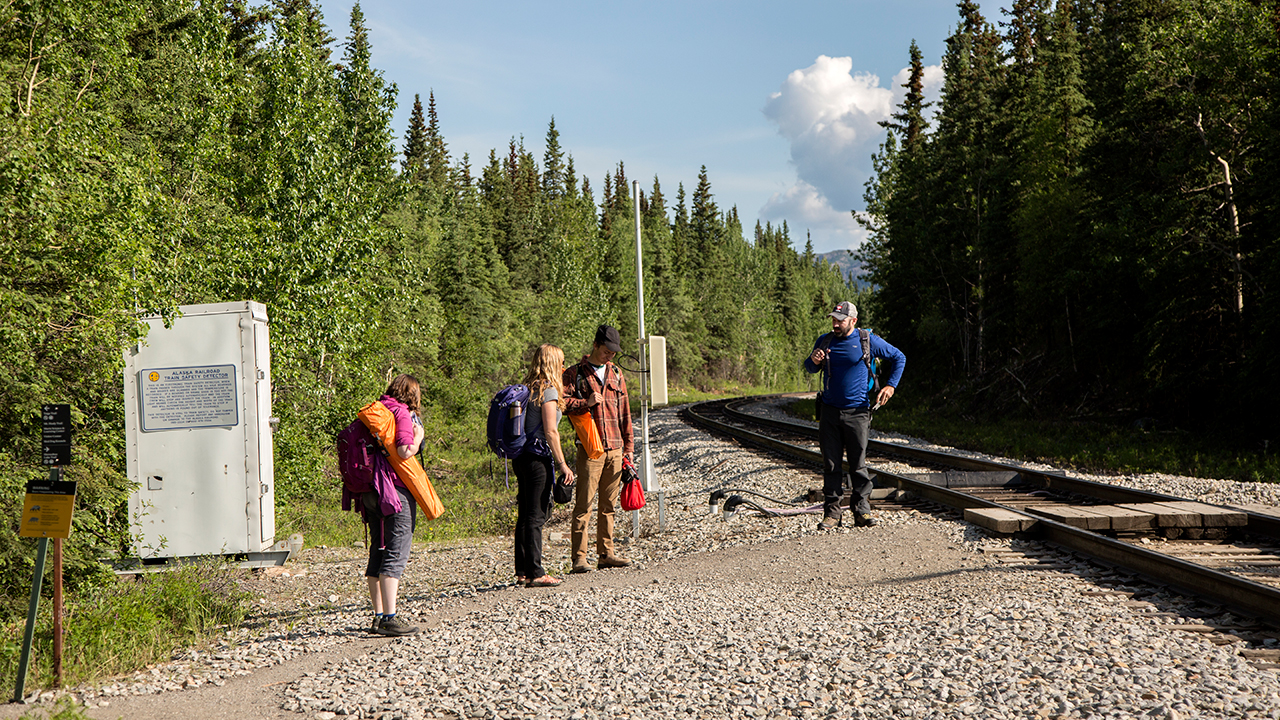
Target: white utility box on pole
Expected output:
[198,434]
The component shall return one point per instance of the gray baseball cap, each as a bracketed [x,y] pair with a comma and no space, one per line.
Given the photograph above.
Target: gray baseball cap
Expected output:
[844,310]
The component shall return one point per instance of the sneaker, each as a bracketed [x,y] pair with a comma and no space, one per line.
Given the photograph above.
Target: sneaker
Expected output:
[579,568]
[612,561]
[396,625]
[377,620]
[860,520]
[830,523]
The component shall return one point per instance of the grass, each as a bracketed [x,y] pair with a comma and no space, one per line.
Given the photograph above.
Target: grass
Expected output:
[1084,445]
[127,625]
[471,487]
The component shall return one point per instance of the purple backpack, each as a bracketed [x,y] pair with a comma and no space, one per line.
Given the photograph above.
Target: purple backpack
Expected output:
[366,473]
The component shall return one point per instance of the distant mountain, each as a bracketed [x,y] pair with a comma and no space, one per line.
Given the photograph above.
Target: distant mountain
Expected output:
[846,262]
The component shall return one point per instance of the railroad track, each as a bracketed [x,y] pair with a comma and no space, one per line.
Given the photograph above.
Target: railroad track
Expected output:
[1226,556]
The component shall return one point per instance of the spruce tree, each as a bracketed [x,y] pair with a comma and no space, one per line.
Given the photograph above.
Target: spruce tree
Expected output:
[910,121]
[415,144]
[704,225]
[553,169]
[437,150]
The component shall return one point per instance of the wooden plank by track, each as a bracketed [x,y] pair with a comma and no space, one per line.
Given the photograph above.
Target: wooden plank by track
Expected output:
[1212,515]
[1073,516]
[1166,515]
[1000,520]
[1124,519]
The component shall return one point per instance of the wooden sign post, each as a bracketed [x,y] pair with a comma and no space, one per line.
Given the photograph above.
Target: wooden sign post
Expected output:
[46,513]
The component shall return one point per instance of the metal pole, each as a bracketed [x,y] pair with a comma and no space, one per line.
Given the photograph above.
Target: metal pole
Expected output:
[644,375]
[57,612]
[42,548]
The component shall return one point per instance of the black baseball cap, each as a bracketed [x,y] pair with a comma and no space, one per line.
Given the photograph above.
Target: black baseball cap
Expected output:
[607,335]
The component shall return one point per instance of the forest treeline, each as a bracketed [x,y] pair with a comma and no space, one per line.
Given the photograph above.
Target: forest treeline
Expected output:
[1088,225]
[171,152]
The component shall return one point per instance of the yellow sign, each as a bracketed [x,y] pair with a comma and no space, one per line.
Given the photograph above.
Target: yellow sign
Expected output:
[154,376]
[47,516]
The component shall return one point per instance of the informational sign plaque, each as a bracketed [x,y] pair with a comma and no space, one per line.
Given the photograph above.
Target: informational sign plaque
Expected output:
[47,508]
[55,434]
[188,397]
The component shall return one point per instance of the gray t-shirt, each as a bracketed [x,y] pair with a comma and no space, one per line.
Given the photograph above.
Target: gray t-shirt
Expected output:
[533,423]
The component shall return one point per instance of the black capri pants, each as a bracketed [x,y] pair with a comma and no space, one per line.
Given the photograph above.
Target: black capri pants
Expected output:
[391,537]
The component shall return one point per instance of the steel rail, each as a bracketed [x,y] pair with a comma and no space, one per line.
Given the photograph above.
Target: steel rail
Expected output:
[1259,523]
[1238,593]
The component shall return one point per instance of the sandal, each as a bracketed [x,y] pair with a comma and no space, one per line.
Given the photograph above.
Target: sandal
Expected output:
[544,581]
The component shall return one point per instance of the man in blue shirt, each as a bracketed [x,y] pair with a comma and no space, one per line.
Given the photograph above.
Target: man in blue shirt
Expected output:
[844,409]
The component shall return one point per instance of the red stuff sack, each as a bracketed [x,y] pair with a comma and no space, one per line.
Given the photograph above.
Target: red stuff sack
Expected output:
[632,494]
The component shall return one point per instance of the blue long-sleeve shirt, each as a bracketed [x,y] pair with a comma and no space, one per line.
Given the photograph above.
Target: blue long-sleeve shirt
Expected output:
[845,386]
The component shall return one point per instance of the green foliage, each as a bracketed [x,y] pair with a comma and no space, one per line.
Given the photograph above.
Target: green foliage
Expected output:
[1088,229]
[127,624]
[164,153]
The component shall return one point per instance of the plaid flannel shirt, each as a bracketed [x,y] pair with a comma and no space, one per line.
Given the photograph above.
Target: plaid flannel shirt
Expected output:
[613,415]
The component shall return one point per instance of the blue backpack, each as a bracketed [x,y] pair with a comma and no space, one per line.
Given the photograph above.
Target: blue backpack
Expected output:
[872,363]
[506,421]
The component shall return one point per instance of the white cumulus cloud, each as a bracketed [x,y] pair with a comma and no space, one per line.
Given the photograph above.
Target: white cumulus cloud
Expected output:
[806,209]
[829,115]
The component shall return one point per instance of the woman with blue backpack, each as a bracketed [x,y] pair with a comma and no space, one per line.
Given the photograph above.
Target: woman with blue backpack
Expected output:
[534,466]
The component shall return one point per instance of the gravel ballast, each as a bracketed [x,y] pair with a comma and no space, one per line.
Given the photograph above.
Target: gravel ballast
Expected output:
[745,618]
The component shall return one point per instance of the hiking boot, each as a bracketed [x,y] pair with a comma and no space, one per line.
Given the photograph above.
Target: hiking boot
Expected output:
[830,523]
[612,561]
[396,625]
[860,520]
[579,568]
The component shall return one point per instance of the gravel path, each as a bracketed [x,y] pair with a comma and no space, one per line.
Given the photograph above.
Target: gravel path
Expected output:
[747,618]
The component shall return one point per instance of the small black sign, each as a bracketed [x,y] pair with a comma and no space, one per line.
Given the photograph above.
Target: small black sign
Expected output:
[56,434]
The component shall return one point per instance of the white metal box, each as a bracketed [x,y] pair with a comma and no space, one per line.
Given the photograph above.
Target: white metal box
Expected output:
[657,364]
[198,433]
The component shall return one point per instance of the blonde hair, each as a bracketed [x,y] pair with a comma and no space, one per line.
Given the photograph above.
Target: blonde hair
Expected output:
[546,369]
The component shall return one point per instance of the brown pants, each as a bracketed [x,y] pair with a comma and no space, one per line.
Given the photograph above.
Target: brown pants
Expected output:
[603,474]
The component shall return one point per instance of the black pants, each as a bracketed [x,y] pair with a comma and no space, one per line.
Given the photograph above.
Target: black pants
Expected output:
[844,433]
[534,476]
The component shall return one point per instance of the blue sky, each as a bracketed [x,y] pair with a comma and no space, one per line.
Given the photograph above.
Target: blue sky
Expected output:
[778,99]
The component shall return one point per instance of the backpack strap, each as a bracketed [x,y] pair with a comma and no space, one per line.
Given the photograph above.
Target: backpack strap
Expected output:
[873,383]
[581,386]
[824,344]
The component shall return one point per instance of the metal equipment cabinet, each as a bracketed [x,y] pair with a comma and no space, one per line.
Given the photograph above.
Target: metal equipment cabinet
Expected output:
[198,434]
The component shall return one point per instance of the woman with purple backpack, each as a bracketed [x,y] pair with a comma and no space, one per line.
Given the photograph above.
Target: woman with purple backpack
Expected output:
[391,538]
[534,468]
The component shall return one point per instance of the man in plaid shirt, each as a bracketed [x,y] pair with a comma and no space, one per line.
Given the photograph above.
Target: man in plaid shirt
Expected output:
[595,386]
